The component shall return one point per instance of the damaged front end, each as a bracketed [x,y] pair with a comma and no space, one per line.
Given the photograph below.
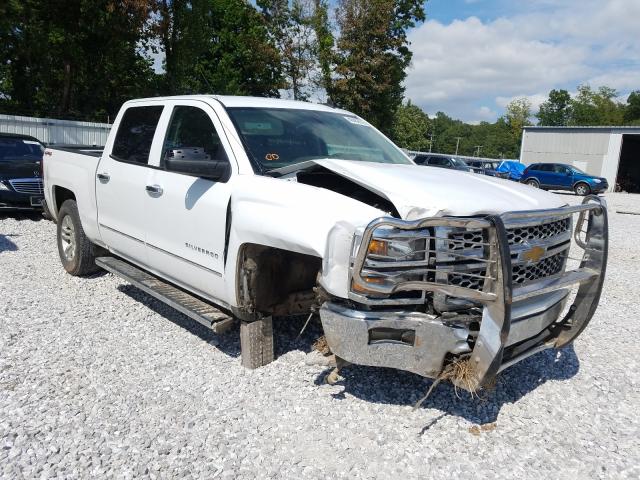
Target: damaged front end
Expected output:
[489,290]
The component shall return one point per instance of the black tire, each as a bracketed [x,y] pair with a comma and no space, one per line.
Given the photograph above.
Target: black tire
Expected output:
[76,251]
[532,182]
[582,189]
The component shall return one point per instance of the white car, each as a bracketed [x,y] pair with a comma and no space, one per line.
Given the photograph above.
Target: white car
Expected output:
[239,208]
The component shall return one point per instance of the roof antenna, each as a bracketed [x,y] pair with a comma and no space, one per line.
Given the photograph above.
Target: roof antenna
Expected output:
[205,80]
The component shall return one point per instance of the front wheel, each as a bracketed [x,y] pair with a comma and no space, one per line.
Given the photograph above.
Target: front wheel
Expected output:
[533,183]
[582,189]
[76,251]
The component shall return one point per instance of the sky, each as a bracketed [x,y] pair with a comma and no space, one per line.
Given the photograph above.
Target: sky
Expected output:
[472,57]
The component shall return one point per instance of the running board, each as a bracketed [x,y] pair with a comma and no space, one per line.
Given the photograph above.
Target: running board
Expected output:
[193,307]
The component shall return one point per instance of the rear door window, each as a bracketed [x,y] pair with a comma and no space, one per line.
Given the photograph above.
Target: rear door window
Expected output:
[135,134]
[545,167]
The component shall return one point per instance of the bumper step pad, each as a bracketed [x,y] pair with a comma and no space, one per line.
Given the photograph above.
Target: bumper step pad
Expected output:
[200,311]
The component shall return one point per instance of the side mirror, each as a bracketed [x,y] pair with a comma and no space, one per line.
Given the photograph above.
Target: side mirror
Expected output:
[218,170]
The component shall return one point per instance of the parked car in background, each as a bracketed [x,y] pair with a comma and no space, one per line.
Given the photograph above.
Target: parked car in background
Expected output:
[484,167]
[559,176]
[20,172]
[510,169]
[442,161]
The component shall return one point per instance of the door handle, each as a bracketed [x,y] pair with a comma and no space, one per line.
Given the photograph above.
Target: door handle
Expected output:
[104,177]
[154,189]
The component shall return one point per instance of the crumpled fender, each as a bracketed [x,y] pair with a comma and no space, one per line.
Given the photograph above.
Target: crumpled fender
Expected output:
[298,218]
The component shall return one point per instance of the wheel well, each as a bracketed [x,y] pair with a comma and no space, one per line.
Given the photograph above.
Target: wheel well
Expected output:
[274,281]
[583,183]
[60,195]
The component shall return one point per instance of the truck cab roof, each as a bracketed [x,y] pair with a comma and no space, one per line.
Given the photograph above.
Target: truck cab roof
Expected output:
[233,101]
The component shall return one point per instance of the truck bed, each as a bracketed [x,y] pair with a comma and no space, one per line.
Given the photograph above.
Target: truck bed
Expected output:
[71,170]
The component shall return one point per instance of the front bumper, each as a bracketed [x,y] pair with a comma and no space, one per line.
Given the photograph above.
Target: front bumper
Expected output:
[10,200]
[515,322]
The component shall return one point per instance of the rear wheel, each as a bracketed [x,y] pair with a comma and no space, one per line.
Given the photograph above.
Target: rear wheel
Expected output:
[76,251]
[582,189]
[533,183]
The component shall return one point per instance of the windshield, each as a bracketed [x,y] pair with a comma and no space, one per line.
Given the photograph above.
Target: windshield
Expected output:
[576,170]
[276,137]
[12,149]
[458,163]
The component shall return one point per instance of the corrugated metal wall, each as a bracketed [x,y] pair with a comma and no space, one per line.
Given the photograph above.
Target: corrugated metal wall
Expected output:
[586,150]
[595,150]
[51,131]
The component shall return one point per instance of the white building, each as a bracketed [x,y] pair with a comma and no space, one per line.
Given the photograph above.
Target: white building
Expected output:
[610,152]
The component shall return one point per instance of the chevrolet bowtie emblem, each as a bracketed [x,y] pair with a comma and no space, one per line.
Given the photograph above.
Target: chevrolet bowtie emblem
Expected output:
[533,255]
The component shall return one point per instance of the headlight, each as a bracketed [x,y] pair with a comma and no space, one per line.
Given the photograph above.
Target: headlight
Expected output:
[389,253]
[597,180]
[3,186]
[403,248]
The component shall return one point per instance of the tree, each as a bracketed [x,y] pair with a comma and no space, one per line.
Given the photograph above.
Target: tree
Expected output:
[324,44]
[517,116]
[75,58]
[372,56]
[291,26]
[410,127]
[598,107]
[556,111]
[632,110]
[217,47]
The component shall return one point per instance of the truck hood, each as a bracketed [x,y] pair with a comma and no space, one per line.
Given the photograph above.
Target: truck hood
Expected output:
[419,192]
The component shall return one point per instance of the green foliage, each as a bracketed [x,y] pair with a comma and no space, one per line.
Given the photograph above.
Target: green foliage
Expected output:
[410,127]
[372,56]
[632,110]
[324,44]
[556,111]
[598,107]
[518,115]
[73,58]
[221,47]
[292,28]
[496,140]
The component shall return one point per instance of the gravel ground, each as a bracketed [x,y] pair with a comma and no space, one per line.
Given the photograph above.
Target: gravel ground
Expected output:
[98,379]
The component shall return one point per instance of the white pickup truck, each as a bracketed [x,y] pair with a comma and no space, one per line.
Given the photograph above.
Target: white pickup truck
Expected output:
[241,209]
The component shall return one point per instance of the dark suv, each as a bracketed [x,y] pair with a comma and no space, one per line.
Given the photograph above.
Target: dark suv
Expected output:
[484,167]
[558,176]
[20,172]
[442,161]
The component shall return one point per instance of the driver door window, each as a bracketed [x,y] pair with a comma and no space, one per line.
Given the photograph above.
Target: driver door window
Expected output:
[192,136]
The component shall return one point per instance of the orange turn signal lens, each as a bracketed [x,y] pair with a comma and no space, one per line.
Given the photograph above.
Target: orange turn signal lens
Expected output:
[378,247]
[360,289]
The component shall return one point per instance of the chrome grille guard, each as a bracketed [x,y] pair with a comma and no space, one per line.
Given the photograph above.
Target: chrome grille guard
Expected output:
[498,294]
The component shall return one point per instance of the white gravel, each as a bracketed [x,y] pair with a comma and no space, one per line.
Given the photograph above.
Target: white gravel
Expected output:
[99,380]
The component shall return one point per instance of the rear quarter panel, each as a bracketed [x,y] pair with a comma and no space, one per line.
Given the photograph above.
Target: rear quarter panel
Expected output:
[75,172]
